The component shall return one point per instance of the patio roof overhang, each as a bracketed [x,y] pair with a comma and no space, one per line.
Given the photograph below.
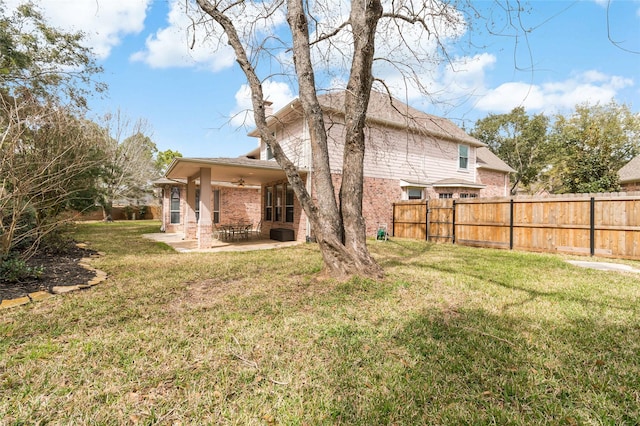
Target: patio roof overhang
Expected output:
[252,172]
[457,183]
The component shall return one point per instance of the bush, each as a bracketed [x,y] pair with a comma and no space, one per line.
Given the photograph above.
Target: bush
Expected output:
[58,241]
[13,269]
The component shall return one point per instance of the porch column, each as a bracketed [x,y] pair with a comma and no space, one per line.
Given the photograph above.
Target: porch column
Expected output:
[190,222]
[204,224]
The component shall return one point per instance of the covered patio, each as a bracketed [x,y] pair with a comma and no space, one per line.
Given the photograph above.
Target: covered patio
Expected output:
[242,179]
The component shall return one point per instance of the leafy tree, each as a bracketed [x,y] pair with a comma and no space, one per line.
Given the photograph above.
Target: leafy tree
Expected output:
[591,145]
[518,139]
[164,158]
[40,62]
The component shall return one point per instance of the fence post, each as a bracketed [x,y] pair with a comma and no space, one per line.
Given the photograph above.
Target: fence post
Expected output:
[511,224]
[426,220]
[393,221]
[592,226]
[453,223]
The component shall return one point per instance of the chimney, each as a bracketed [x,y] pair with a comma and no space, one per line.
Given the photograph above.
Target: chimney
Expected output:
[268,108]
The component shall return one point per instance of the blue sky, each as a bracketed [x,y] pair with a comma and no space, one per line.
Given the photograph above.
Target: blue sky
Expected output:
[189,96]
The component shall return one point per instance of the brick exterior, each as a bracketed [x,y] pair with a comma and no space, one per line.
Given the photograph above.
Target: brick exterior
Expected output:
[377,200]
[631,186]
[497,183]
[236,205]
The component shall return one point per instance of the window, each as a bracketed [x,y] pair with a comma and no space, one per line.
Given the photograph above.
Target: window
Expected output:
[445,195]
[278,200]
[175,204]
[268,203]
[414,193]
[197,204]
[468,195]
[463,156]
[288,204]
[216,206]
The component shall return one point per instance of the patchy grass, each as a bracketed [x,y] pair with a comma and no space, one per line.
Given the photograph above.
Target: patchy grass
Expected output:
[453,335]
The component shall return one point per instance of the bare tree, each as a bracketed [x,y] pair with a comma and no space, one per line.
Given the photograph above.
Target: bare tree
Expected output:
[329,42]
[129,165]
[47,165]
[47,160]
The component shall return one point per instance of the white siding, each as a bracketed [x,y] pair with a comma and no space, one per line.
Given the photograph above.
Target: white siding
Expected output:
[294,140]
[398,154]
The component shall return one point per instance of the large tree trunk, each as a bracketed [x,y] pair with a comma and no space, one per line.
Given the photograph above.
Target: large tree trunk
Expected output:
[364,19]
[343,256]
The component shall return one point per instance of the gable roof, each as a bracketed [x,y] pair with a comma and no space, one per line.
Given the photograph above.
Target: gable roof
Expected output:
[384,110]
[488,160]
[631,171]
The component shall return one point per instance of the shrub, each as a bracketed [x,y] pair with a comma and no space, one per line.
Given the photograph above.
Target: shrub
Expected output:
[14,269]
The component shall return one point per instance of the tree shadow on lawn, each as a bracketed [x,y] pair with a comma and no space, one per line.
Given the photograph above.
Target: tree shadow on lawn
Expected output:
[473,367]
[518,283]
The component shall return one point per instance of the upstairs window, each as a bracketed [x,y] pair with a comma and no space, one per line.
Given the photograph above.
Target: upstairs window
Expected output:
[445,195]
[463,157]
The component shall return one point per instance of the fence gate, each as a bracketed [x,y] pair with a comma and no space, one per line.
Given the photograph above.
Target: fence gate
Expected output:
[440,221]
[430,220]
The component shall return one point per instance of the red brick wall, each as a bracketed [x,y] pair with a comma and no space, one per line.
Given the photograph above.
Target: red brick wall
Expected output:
[239,205]
[495,183]
[377,200]
[630,187]
[236,205]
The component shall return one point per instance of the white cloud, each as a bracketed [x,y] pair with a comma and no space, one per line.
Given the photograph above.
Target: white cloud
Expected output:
[170,46]
[590,86]
[276,92]
[180,44]
[105,22]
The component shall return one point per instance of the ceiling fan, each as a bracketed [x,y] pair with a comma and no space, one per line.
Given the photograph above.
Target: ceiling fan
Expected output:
[239,182]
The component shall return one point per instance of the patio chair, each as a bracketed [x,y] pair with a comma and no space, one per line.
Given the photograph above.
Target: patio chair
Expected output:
[217,233]
[257,231]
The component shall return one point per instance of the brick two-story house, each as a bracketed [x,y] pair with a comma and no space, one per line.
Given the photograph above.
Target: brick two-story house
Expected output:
[409,155]
[630,175]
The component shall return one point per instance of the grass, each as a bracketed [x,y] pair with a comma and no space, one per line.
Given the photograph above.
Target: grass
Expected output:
[453,335]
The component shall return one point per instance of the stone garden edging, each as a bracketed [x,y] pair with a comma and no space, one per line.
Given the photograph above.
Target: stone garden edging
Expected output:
[42,295]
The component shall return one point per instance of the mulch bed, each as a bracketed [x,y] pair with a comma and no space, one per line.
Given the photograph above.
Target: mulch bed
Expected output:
[59,269]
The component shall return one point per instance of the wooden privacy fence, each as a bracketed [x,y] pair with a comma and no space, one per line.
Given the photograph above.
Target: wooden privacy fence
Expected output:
[596,224]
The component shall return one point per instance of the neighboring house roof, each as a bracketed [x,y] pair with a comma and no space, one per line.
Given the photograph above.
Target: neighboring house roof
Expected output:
[631,171]
[488,160]
[384,110]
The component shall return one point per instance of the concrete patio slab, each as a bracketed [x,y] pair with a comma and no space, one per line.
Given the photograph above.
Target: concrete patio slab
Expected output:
[604,266]
[178,243]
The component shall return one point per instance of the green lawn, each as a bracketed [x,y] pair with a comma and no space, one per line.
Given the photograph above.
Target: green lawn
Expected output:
[453,335]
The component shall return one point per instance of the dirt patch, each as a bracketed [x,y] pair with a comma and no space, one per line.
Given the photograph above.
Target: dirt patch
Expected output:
[59,269]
